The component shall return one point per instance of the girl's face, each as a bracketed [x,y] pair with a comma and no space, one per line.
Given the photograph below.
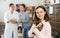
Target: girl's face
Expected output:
[12,8]
[21,8]
[40,13]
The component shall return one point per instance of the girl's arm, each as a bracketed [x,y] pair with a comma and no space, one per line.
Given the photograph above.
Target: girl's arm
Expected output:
[31,31]
[38,33]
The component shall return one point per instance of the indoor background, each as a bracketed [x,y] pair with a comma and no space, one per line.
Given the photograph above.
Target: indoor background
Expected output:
[53,7]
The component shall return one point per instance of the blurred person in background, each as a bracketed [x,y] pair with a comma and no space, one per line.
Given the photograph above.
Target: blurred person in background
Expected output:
[10,19]
[17,8]
[25,20]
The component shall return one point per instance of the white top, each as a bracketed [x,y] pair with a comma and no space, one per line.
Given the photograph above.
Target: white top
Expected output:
[9,16]
[44,33]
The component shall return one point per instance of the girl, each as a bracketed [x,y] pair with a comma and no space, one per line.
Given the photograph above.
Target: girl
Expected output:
[41,27]
[10,19]
[25,20]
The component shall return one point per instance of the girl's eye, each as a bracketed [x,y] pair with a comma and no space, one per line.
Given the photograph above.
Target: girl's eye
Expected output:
[40,11]
[37,12]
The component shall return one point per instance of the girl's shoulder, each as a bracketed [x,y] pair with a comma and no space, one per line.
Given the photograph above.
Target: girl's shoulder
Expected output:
[44,22]
[47,24]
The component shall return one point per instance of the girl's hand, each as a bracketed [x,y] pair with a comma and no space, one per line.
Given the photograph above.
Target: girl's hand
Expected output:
[39,25]
[19,20]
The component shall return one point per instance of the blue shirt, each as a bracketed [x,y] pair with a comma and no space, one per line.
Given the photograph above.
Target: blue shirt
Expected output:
[24,16]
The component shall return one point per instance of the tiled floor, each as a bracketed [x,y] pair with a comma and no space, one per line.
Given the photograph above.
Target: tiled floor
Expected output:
[19,35]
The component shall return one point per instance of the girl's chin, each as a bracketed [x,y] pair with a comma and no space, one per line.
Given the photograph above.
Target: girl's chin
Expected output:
[40,18]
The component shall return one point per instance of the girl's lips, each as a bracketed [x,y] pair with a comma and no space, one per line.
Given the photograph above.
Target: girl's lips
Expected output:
[40,16]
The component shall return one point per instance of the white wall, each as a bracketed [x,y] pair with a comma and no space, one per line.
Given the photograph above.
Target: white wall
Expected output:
[57,1]
[4,5]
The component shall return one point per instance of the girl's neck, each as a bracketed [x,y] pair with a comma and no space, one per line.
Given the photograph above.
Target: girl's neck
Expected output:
[12,12]
[42,19]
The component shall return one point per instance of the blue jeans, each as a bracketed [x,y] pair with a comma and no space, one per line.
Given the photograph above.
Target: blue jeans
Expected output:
[25,32]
